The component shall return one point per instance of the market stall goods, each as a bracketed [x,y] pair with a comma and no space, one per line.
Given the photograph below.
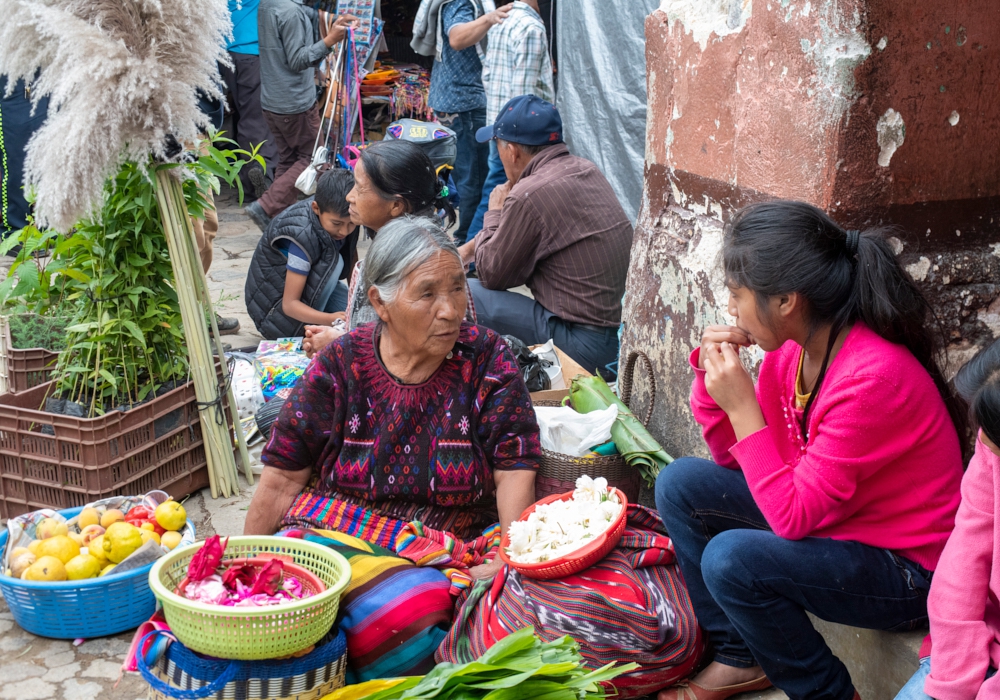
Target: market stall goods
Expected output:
[518,666]
[250,632]
[558,528]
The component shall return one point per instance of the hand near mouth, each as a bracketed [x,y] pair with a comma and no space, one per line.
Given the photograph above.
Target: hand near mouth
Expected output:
[714,336]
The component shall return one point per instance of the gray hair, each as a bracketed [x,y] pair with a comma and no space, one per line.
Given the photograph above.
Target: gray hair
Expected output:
[403,245]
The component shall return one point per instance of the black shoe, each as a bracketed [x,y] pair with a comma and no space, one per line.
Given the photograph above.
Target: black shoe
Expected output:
[227,326]
[256,177]
[256,213]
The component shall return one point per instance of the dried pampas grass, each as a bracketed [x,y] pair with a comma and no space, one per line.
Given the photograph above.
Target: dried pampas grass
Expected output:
[121,75]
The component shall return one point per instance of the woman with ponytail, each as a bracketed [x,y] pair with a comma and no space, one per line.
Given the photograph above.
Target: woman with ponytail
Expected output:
[835,480]
[392,178]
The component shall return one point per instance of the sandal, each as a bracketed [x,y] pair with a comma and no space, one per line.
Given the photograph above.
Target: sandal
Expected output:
[693,691]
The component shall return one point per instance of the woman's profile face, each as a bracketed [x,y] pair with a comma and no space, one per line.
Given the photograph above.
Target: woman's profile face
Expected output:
[744,309]
[367,205]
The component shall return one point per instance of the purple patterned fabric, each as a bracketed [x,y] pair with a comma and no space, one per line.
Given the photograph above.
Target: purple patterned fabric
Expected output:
[437,443]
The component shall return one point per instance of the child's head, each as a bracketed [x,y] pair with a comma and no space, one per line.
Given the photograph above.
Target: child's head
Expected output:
[792,270]
[978,382]
[330,203]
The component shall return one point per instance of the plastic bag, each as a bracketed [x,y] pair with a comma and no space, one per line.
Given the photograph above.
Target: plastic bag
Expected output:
[246,387]
[306,181]
[533,368]
[567,432]
[279,364]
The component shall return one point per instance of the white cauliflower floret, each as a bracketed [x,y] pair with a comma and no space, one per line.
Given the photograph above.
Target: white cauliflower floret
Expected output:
[561,527]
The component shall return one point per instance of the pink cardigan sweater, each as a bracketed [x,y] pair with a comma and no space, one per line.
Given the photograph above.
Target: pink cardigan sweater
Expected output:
[963,604]
[882,465]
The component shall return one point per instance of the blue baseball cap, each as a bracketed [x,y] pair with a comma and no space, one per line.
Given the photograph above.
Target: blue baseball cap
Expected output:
[527,120]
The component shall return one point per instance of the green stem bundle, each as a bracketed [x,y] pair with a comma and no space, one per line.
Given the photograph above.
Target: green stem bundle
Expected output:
[195,304]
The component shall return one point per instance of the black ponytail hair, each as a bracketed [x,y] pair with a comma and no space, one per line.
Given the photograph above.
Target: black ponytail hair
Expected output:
[845,276]
[402,169]
[978,382]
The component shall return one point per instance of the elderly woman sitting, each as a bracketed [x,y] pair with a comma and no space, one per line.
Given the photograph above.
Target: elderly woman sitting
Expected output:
[418,416]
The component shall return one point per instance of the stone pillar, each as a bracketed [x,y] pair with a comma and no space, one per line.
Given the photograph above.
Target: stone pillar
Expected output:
[882,113]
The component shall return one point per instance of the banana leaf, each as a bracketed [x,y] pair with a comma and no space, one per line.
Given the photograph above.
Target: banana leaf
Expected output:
[634,442]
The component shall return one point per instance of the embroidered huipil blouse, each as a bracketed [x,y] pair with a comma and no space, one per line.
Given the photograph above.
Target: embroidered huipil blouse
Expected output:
[373,439]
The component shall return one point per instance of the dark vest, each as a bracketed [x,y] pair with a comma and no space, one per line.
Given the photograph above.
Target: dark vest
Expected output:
[266,278]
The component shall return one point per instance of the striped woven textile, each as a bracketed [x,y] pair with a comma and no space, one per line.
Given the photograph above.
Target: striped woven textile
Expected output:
[632,606]
[380,523]
[442,550]
[394,613]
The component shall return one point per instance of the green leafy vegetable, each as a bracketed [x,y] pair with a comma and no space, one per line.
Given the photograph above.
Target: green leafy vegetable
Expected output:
[633,441]
[518,666]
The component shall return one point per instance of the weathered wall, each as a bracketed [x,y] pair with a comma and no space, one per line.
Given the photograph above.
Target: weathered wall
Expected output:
[880,112]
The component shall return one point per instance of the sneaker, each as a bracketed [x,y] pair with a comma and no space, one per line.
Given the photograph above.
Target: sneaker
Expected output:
[256,213]
[227,326]
[256,177]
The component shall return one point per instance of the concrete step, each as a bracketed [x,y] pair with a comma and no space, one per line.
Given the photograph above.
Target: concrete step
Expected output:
[880,662]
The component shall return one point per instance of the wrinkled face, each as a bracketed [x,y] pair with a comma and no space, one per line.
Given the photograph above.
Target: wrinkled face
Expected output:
[747,314]
[368,206]
[339,227]
[427,313]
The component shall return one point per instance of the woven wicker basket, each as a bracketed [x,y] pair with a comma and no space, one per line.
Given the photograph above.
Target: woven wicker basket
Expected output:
[557,473]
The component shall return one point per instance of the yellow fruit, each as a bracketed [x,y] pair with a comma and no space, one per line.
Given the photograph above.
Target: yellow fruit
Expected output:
[121,540]
[76,537]
[18,551]
[33,546]
[21,562]
[171,515]
[45,569]
[82,566]
[50,527]
[96,549]
[111,516]
[107,569]
[88,516]
[91,532]
[147,536]
[148,526]
[170,539]
[62,547]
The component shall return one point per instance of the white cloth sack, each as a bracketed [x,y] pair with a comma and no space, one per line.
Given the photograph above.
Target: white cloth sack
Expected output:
[570,433]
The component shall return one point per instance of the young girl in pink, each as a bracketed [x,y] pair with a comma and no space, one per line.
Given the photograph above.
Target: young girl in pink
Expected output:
[834,481]
[964,602]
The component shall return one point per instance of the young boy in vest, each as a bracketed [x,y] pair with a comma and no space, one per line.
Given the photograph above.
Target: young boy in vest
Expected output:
[296,272]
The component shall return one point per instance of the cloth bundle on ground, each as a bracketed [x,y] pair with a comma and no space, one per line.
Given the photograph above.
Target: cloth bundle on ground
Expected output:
[632,606]
[398,609]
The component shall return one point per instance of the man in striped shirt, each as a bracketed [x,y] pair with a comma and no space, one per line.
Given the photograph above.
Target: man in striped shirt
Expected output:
[517,63]
[557,227]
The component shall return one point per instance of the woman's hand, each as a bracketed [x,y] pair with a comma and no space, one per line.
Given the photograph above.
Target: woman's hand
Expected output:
[318,337]
[731,387]
[487,570]
[714,336]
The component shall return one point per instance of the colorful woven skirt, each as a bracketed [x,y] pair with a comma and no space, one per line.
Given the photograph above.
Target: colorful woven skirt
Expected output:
[394,613]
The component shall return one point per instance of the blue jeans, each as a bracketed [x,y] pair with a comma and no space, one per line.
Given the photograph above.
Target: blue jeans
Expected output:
[495,176]
[471,163]
[914,688]
[751,589]
[510,313]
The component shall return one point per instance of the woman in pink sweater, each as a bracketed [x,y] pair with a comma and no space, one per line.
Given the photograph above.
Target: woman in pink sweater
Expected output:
[835,481]
[964,602]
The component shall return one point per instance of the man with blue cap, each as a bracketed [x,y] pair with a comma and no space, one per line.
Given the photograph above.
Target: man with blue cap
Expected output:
[557,227]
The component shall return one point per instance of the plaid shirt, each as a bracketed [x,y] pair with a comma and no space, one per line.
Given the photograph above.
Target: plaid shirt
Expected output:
[517,60]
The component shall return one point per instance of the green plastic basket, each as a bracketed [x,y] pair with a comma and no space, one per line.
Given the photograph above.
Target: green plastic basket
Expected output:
[252,634]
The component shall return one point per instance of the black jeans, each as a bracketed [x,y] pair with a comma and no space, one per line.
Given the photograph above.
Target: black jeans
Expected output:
[751,589]
[249,128]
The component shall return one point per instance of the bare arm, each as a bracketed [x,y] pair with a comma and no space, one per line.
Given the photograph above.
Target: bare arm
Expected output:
[515,492]
[462,36]
[293,306]
[275,494]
